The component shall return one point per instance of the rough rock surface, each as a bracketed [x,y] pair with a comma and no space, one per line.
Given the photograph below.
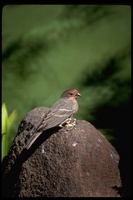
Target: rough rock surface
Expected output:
[62,163]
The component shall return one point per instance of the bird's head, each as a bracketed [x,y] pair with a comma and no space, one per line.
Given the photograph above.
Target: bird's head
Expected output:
[71,93]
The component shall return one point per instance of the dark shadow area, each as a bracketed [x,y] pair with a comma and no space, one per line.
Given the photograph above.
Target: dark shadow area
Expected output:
[119,119]
[114,113]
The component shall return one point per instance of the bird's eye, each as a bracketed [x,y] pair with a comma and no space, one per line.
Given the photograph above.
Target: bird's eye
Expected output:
[70,94]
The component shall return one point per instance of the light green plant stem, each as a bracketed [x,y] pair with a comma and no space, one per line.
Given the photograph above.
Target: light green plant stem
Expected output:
[7,122]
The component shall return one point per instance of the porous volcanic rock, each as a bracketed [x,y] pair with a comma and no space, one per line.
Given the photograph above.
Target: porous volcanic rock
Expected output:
[62,163]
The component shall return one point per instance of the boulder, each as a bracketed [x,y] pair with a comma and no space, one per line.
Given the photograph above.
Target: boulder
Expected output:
[79,162]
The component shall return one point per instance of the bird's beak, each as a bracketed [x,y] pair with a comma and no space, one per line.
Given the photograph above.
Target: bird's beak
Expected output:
[78,95]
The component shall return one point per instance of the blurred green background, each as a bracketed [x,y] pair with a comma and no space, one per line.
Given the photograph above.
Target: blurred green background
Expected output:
[47,49]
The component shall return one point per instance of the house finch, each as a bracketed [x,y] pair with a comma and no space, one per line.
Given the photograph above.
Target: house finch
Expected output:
[58,114]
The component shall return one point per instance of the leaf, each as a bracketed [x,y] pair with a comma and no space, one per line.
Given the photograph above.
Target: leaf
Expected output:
[4,130]
[4,119]
[6,127]
[4,145]
[11,119]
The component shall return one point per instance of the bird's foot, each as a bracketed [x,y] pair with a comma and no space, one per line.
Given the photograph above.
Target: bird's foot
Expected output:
[69,123]
[70,126]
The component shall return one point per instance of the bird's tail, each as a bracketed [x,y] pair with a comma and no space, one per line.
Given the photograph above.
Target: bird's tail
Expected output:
[32,139]
[35,135]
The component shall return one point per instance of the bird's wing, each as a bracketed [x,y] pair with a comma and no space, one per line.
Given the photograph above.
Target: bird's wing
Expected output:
[59,112]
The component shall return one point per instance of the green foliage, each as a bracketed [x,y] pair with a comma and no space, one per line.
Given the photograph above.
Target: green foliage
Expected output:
[87,14]
[86,47]
[7,122]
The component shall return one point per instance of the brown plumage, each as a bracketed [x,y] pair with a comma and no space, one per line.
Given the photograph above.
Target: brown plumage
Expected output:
[63,109]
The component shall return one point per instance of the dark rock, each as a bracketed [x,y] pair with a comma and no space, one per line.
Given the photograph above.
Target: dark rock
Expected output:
[75,163]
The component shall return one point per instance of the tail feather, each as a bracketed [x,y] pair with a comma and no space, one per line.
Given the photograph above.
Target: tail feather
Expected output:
[32,139]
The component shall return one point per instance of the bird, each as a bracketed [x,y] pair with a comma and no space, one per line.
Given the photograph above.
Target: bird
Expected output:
[60,113]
